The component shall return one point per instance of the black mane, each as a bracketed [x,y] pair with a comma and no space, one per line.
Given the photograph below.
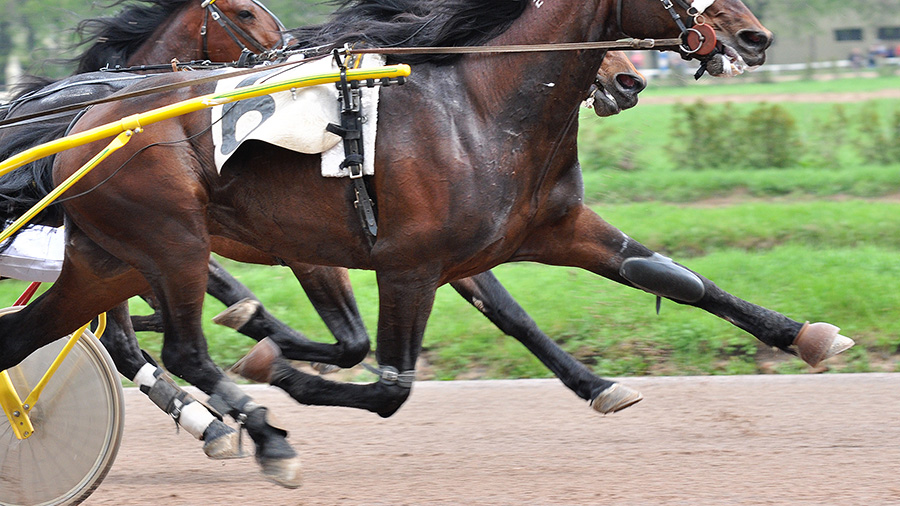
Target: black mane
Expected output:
[413,23]
[110,40]
[113,39]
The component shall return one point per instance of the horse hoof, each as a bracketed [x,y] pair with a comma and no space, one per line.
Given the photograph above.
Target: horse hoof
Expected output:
[226,446]
[258,363]
[238,314]
[615,398]
[323,368]
[818,341]
[284,472]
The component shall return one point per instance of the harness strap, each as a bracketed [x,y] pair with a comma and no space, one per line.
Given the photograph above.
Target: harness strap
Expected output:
[313,53]
[233,29]
[350,130]
[149,91]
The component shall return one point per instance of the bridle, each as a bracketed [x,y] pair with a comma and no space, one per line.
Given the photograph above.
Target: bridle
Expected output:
[235,32]
[697,38]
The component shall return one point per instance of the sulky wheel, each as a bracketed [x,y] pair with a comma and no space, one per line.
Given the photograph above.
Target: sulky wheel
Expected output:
[77,421]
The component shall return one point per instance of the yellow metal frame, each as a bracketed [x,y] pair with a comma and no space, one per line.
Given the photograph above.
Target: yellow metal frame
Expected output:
[16,410]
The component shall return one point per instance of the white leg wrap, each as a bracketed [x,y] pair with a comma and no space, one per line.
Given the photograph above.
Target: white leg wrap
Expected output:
[187,412]
[195,418]
[145,377]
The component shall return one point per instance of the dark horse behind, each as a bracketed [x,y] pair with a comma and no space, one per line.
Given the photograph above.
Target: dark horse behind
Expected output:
[476,165]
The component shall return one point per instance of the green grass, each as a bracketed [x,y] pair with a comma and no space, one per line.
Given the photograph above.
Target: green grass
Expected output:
[815,260]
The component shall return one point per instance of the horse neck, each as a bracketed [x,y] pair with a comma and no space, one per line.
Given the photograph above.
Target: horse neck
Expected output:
[179,37]
[537,94]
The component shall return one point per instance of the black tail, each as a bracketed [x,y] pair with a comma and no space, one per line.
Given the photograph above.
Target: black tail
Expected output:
[24,187]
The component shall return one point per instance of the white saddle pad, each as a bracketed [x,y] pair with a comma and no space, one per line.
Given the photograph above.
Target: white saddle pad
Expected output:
[294,120]
[36,254]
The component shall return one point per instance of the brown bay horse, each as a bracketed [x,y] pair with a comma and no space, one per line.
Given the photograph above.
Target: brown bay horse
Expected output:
[476,166]
[615,88]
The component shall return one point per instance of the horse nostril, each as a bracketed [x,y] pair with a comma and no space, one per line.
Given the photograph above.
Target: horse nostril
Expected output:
[755,39]
[630,82]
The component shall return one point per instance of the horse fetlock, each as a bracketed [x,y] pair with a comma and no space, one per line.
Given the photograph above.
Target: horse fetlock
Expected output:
[819,341]
[393,388]
[615,398]
[169,397]
[352,353]
[278,461]
[661,276]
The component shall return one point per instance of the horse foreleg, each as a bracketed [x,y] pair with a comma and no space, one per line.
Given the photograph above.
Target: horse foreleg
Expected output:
[219,440]
[583,239]
[184,352]
[405,304]
[487,295]
[330,293]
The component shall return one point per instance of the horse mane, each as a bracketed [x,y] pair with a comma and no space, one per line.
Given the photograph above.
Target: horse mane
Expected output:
[413,23]
[113,39]
[110,40]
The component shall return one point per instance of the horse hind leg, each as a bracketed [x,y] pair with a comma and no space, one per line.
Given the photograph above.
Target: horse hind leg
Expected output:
[219,440]
[185,355]
[330,293]
[597,246]
[177,271]
[662,277]
[403,312]
[487,295]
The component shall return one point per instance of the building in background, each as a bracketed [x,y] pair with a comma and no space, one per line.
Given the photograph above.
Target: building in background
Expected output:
[839,37]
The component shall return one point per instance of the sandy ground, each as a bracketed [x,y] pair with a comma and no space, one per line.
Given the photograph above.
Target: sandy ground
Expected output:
[743,440]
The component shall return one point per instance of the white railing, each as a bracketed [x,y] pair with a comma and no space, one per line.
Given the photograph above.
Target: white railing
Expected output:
[780,68]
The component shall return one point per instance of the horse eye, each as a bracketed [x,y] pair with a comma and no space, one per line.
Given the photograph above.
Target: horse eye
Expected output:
[245,15]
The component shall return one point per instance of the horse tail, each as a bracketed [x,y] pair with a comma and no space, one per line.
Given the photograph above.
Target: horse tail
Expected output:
[22,188]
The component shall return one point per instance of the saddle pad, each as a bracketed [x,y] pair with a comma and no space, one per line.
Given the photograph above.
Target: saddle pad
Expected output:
[294,120]
[36,254]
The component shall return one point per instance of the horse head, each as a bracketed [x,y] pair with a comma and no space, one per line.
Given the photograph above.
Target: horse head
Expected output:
[247,23]
[617,85]
[722,34]
[156,31]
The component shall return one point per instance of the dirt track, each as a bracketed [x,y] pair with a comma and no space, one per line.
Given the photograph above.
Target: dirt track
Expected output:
[746,440]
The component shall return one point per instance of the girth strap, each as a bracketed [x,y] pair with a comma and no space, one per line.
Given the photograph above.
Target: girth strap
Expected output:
[350,130]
